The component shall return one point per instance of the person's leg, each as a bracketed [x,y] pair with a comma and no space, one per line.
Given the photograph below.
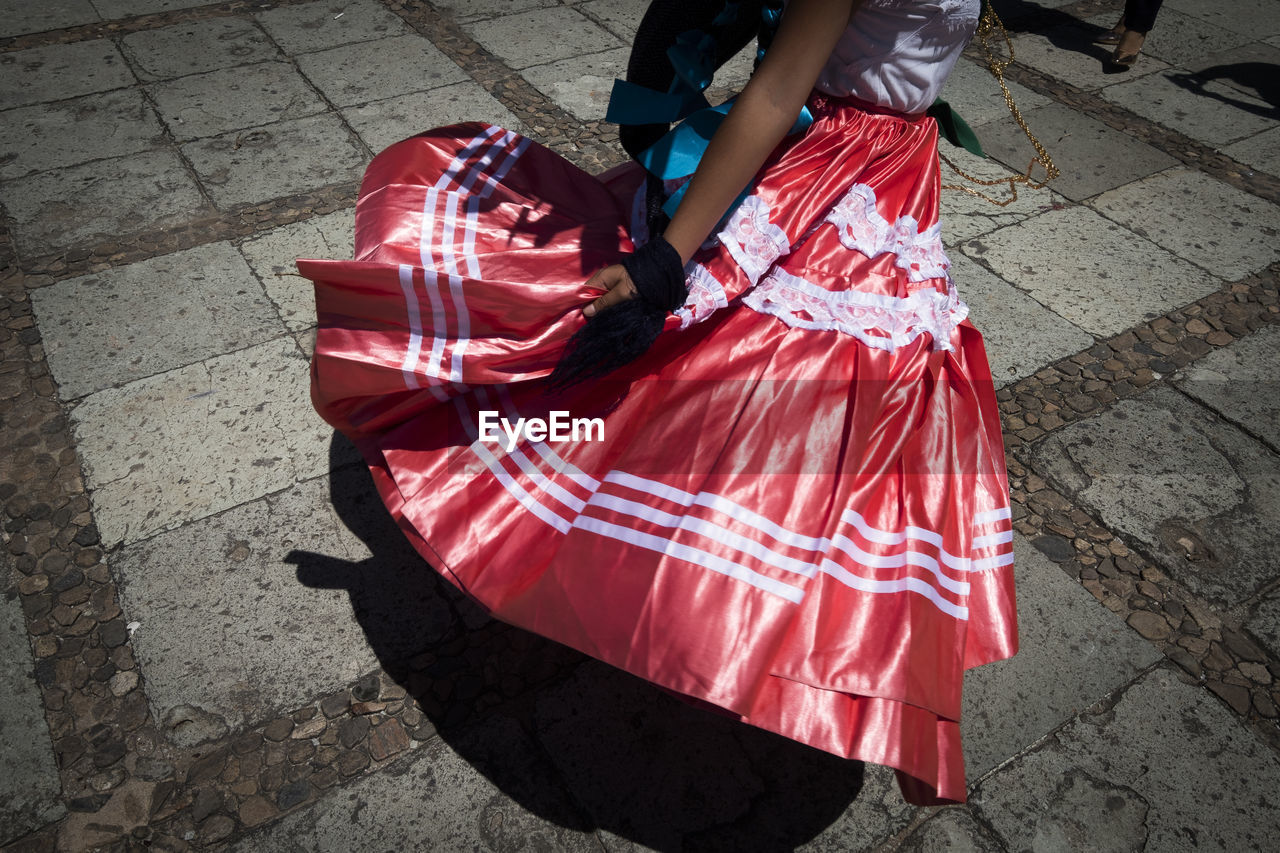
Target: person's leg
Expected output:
[1139,18]
[1140,15]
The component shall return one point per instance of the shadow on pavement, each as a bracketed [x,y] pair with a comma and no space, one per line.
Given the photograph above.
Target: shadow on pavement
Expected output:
[571,740]
[1262,78]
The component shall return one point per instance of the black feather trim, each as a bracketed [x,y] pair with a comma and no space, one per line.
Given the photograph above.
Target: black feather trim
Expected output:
[616,336]
[624,332]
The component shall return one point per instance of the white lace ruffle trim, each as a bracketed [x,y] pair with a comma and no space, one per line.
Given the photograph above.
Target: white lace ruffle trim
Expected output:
[706,295]
[861,227]
[753,241]
[883,322]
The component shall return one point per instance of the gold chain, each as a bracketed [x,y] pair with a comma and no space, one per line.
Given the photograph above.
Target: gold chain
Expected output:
[987,26]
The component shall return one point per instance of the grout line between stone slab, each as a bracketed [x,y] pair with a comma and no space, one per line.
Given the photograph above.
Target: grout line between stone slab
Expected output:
[140,23]
[583,142]
[393,725]
[1188,631]
[173,144]
[70,404]
[1083,384]
[234,223]
[1180,147]
[591,145]
[1239,425]
[292,61]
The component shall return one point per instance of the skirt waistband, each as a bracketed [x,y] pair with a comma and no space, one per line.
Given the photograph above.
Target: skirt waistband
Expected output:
[821,104]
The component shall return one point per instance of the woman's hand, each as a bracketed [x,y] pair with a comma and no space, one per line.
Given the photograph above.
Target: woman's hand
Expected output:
[619,285]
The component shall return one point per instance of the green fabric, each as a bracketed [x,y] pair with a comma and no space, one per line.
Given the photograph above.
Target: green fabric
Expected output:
[955,129]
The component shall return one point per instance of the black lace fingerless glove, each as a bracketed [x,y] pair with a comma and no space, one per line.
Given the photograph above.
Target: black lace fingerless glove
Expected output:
[622,333]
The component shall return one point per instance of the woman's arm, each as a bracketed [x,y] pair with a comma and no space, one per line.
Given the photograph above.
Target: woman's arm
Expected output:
[760,117]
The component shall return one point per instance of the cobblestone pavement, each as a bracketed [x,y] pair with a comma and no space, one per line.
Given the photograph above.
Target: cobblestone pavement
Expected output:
[212,636]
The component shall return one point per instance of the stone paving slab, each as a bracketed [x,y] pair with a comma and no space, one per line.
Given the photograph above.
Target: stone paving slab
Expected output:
[1240,382]
[373,70]
[112,9]
[473,10]
[612,760]
[146,446]
[1167,768]
[540,37]
[438,798]
[1089,270]
[1262,151]
[287,157]
[975,94]
[1254,17]
[383,123]
[272,255]
[581,85]
[307,27]
[1021,335]
[197,46]
[654,773]
[1208,113]
[1265,622]
[953,829]
[100,201]
[237,623]
[620,17]
[237,98]
[965,216]
[133,321]
[30,790]
[1091,156]
[1227,232]
[18,17]
[66,133]
[1200,495]
[733,75]
[1071,653]
[61,71]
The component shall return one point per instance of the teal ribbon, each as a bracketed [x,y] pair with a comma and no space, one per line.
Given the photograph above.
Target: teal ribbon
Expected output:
[630,103]
[678,153]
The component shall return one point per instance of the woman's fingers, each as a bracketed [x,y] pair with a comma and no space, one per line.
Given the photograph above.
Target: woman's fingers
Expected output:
[615,280]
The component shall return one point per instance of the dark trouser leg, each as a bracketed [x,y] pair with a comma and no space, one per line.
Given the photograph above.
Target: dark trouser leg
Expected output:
[1140,15]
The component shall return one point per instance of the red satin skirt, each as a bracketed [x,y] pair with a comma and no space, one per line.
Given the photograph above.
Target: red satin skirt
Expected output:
[793,508]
